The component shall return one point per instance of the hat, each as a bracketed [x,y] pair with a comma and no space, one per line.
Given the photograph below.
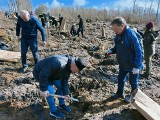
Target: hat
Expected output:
[150,25]
[79,16]
[79,64]
[32,13]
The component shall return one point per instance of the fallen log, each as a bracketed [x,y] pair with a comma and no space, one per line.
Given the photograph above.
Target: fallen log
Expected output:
[9,56]
[146,106]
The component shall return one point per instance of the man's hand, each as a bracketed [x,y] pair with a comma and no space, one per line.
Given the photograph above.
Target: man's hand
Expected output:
[67,98]
[45,93]
[108,52]
[44,43]
[19,38]
[135,70]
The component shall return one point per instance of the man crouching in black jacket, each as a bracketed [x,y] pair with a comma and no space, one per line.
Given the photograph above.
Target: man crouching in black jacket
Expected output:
[56,70]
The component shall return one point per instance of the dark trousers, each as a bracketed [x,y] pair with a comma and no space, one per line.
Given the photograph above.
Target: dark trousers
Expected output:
[73,33]
[133,80]
[33,44]
[148,62]
[80,30]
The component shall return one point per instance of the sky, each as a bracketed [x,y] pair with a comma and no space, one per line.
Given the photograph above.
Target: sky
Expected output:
[97,4]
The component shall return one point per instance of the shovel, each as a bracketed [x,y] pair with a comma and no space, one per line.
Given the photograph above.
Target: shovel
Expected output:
[60,96]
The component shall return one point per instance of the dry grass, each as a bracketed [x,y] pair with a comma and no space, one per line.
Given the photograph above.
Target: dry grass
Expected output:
[3,35]
[2,15]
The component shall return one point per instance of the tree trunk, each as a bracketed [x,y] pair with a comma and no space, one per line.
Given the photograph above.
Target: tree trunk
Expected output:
[150,8]
[157,14]
[134,4]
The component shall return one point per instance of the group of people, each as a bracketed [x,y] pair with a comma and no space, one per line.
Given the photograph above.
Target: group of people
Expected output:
[56,70]
[13,14]
[47,18]
[74,31]
[130,47]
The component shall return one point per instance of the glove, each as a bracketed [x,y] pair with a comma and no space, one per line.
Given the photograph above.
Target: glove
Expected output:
[45,93]
[135,70]
[44,43]
[108,52]
[67,98]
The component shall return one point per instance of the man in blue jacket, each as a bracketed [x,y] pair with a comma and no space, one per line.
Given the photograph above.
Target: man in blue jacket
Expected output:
[56,70]
[129,55]
[28,25]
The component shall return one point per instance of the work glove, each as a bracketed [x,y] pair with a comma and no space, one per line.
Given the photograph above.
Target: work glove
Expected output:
[44,43]
[45,93]
[135,70]
[108,52]
[67,98]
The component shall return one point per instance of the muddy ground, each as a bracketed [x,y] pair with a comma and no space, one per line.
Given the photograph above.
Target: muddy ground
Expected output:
[19,93]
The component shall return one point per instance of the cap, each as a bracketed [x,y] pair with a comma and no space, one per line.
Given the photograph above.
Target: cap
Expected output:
[79,64]
[150,25]
[32,13]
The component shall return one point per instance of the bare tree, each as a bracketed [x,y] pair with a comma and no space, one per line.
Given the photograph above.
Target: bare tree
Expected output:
[41,9]
[17,5]
[134,5]
[24,4]
[1,9]
[145,6]
[150,8]
[157,13]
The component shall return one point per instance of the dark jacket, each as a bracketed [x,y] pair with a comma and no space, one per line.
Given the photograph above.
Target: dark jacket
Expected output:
[56,67]
[60,20]
[29,29]
[128,50]
[149,42]
[73,30]
[81,25]
[53,21]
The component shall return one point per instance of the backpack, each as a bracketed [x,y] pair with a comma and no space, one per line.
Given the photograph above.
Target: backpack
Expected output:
[140,40]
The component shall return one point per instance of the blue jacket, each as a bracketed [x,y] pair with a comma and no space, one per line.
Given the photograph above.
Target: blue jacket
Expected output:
[128,50]
[29,29]
[56,67]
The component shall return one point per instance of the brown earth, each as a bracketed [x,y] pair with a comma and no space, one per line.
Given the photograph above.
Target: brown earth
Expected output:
[19,94]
